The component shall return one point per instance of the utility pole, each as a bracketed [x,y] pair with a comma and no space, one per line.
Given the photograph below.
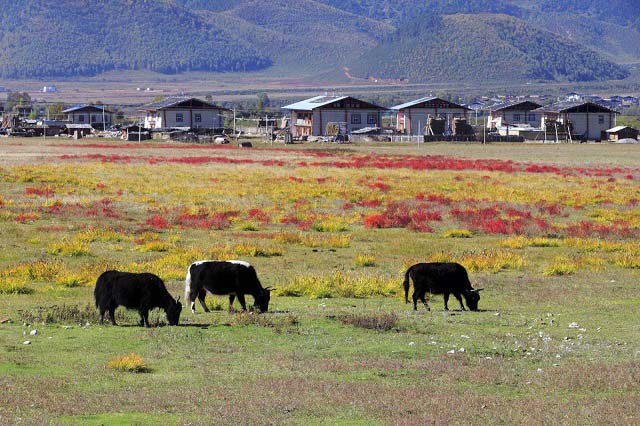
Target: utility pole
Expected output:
[484,128]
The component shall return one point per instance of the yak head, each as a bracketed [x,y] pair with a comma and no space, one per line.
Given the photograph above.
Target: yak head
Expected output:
[173,311]
[262,300]
[473,297]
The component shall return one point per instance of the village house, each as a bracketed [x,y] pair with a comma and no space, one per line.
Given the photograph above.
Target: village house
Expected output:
[585,120]
[619,133]
[430,115]
[183,112]
[514,115]
[97,116]
[328,115]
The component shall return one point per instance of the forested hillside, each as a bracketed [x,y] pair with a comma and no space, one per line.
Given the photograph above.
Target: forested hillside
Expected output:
[40,38]
[428,40]
[481,47]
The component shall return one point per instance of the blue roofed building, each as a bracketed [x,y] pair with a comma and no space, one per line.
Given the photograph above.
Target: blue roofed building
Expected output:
[97,116]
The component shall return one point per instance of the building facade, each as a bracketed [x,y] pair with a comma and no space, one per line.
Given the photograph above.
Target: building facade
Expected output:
[183,112]
[97,116]
[324,115]
[516,114]
[412,118]
[585,120]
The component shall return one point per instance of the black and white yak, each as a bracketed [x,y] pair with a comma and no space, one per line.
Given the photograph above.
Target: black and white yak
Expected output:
[440,278]
[234,278]
[139,291]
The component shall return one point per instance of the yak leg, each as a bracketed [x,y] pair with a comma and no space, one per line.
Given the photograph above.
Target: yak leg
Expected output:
[201,295]
[112,315]
[415,300]
[144,318]
[424,301]
[232,298]
[446,301]
[457,295]
[101,317]
[242,301]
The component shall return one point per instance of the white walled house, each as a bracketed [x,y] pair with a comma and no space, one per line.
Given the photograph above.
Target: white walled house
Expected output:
[412,117]
[588,121]
[95,115]
[516,114]
[319,115]
[183,112]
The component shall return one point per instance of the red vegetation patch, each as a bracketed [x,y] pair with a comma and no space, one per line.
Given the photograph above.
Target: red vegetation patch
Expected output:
[259,215]
[44,191]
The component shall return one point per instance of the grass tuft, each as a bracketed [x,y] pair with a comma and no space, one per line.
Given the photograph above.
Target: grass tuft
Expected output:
[131,363]
[380,321]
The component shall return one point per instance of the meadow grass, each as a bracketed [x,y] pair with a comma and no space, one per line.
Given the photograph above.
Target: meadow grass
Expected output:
[555,340]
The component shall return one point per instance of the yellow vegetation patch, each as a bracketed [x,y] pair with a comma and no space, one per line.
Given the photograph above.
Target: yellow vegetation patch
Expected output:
[131,363]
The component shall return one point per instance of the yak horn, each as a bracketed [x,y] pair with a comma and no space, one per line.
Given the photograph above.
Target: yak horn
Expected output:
[177,299]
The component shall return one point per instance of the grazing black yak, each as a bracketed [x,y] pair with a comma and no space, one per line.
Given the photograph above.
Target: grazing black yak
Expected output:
[142,292]
[234,277]
[440,278]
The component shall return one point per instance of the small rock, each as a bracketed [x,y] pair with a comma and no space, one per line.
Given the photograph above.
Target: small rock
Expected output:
[539,370]
[412,343]
[26,342]
[461,350]
[4,320]
[573,325]
[33,332]
[452,351]
[67,327]
[464,336]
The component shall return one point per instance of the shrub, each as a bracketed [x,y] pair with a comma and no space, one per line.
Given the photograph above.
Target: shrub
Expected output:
[382,321]
[458,233]
[11,286]
[560,266]
[129,363]
[73,248]
[364,260]
[60,314]
[264,320]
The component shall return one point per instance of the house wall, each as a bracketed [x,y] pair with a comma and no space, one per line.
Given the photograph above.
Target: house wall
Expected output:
[515,117]
[209,118]
[412,121]
[93,118]
[590,124]
[354,118]
[301,123]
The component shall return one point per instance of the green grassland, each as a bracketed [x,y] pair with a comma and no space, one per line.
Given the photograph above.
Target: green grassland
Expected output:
[555,340]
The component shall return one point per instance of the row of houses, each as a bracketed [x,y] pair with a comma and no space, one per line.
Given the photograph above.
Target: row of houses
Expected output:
[330,115]
[573,120]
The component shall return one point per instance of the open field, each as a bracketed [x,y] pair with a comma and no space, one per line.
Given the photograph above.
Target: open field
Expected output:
[549,231]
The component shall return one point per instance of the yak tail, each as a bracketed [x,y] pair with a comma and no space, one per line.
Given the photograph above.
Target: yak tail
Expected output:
[406,285]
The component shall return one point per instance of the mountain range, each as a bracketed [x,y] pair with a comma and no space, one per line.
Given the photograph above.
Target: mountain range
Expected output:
[416,41]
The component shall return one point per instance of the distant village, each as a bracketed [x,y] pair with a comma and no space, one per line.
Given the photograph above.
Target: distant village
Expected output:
[340,118]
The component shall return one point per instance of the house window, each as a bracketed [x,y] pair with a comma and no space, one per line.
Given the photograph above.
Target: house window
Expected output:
[81,118]
[197,118]
[371,118]
[179,117]
[516,117]
[355,119]
[601,119]
[532,118]
[93,118]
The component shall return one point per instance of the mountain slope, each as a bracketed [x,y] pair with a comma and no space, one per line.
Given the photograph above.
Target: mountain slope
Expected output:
[74,37]
[474,40]
[481,47]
